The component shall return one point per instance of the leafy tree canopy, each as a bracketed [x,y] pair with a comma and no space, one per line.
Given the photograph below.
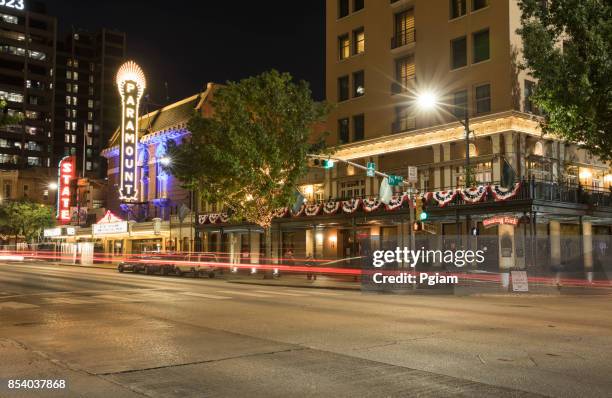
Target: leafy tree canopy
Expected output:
[251,153]
[567,47]
[25,218]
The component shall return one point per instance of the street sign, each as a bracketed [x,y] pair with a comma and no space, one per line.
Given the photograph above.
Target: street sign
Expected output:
[519,281]
[371,169]
[385,192]
[413,174]
[395,180]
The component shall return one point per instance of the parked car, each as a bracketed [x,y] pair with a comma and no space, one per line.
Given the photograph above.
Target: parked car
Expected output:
[147,264]
[197,264]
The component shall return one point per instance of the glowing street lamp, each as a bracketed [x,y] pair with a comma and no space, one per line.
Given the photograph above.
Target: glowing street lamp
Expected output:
[428,101]
[165,161]
[53,186]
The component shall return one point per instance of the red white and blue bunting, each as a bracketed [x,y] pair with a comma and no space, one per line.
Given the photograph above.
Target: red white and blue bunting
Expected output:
[312,210]
[474,195]
[443,197]
[350,206]
[331,207]
[500,193]
[396,202]
[370,205]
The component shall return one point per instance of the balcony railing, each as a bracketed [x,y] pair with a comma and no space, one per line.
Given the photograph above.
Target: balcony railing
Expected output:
[403,38]
[548,191]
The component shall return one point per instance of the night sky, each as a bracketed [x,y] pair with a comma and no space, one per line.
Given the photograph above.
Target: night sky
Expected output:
[190,43]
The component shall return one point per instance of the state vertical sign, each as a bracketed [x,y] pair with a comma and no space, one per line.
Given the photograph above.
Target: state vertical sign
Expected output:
[66,172]
[131,83]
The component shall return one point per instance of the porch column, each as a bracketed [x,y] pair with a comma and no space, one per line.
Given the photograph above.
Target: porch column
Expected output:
[521,156]
[587,247]
[496,164]
[327,188]
[555,164]
[333,182]
[446,149]
[555,243]
[437,179]
[510,150]
[254,242]
[310,243]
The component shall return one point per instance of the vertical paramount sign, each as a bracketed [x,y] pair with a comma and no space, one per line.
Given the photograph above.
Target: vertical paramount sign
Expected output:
[131,83]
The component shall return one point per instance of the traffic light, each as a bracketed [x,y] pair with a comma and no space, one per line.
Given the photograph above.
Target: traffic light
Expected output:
[324,163]
[418,206]
[423,216]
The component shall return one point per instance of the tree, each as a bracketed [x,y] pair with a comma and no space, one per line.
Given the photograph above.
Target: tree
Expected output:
[27,219]
[567,48]
[250,154]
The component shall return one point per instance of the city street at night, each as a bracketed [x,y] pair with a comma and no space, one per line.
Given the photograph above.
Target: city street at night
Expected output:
[127,335]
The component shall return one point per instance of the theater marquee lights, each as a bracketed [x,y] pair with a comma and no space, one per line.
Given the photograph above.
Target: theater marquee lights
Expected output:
[66,172]
[131,83]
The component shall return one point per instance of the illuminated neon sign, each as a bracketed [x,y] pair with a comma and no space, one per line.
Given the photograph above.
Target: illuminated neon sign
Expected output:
[16,4]
[66,172]
[131,83]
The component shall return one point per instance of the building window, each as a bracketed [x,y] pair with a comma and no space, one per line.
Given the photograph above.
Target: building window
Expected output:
[344,47]
[358,84]
[457,8]
[404,73]
[90,103]
[343,88]
[67,138]
[343,8]
[459,52]
[460,104]
[358,127]
[343,130]
[352,189]
[478,4]
[404,121]
[358,41]
[483,99]
[481,46]
[358,5]
[529,90]
[404,29]
[9,19]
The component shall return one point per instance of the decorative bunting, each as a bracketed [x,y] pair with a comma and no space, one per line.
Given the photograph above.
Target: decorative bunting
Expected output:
[444,197]
[312,210]
[474,195]
[331,207]
[370,205]
[223,218]
[282,212]
[396,202]
[500,193]
[350,206]
[213,217]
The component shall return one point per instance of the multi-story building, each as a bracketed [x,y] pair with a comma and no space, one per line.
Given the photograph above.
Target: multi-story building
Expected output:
[86,96]
[385,60]
[27,59]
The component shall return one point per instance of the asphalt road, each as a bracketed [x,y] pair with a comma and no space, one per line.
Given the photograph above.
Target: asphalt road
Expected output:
[123,335]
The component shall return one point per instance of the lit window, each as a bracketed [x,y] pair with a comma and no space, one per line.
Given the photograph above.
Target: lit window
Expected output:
[74,139]
[359,41]
[404,73]
[68,100]
[404,29]
[344,47]
[67,138]
[9,19]
[90,103]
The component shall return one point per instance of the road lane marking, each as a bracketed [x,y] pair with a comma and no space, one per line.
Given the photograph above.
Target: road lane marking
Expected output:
[313,291]
[14,305]
[210,296]
[123,299]
[244,293]
[281,293]
[66,300]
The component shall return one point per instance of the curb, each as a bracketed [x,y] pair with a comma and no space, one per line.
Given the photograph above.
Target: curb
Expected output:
[295,285]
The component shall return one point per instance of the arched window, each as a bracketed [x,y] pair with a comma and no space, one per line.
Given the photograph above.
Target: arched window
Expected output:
[473,151]
[538,149]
